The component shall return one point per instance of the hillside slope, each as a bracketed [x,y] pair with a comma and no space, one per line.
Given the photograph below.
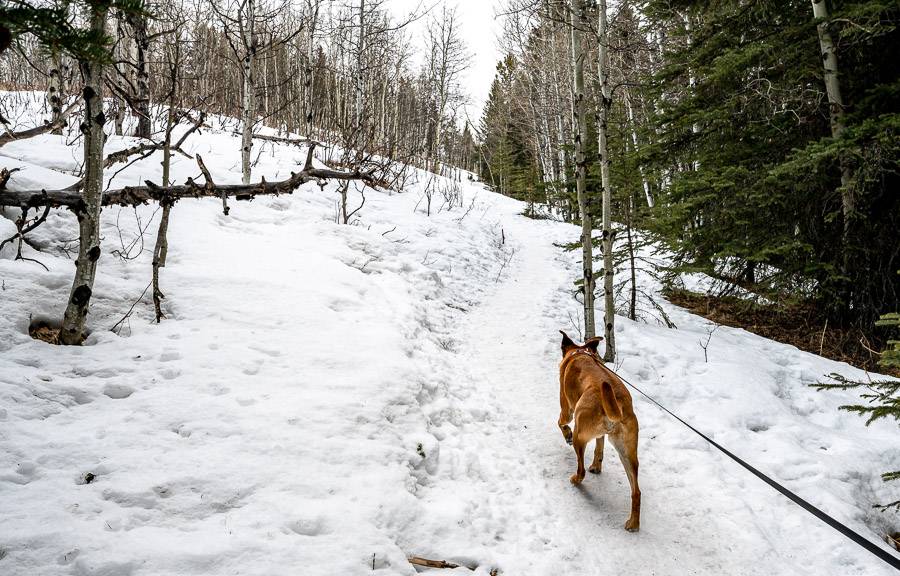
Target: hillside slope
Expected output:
[330,399]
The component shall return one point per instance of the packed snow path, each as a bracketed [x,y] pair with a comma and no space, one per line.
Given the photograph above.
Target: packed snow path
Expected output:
[327,399]
[701,513]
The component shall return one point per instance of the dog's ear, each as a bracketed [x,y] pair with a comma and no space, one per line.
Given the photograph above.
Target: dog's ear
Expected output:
[567,343]
[593,343]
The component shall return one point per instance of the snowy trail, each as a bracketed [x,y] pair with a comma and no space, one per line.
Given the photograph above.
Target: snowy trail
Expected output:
[687,528]
[512,340]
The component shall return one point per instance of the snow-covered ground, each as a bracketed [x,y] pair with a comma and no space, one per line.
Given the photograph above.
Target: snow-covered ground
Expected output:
[329,399]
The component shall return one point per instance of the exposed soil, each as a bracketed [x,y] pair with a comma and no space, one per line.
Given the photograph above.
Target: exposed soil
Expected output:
[800,325]
[44,331]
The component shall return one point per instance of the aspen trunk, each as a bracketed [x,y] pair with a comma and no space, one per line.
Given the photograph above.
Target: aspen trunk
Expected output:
[248,108]
[358,81]
[56,92]
[144,126]
[72,330]
[579,24]
[634,142]
[836,112]
[308,80]
[609,313]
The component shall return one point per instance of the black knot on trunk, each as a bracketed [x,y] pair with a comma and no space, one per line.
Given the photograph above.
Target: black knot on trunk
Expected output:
[88,93]
[100,119]
[94,253]
[81,295]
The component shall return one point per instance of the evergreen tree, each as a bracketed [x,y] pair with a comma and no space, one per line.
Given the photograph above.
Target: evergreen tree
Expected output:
[741,131]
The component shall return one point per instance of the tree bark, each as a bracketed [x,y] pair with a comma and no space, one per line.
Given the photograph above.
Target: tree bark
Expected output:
[579,24]
[144,126]
[56,92]
[74,319]
[836,114]
[308,81]
[358,80]
[609,312]
[150,192]
[248,103]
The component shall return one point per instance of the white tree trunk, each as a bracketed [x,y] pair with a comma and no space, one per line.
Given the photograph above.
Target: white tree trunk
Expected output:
[835,105]
[579,24]
[56,91]
[248,104]
[609,313]
[144,126]
[310,54]
[72,330]
[634,142]
[360,71]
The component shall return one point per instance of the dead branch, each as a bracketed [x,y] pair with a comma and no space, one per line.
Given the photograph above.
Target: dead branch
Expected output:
[145,150]
[289,141]
[23,227]
[150,192]
[417,561]
[5,175]
[37,130]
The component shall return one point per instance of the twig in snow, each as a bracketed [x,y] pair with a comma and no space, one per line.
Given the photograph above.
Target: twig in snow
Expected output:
[506,261]
[575,325]
[709,335]
[118,325]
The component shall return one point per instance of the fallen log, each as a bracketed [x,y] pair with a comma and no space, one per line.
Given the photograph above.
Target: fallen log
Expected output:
[427,563]
[43,128]
[136,195]
[417,561]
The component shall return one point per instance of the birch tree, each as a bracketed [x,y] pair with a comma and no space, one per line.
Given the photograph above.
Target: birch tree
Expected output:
[609,313]
[578,26]
[447,59]
[836,110]
[72,330]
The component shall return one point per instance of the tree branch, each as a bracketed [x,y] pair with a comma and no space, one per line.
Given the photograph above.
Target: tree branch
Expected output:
[135,195]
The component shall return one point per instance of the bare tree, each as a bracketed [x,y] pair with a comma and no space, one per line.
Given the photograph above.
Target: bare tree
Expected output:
[72,329]
[609,313]
[447,59]
[579,24]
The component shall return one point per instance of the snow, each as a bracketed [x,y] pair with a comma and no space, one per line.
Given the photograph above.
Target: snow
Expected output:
[330,399]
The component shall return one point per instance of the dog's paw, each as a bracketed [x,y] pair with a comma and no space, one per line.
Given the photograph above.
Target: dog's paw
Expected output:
[576,479]
[595,469]
[633,525]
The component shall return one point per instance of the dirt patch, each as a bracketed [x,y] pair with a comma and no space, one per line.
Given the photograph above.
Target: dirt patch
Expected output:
[800,325]
[44,331]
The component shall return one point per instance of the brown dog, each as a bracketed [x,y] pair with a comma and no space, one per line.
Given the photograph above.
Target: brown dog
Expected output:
[601,405]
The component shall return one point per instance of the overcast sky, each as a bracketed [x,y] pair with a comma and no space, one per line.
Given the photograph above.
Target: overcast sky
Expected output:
[479,30]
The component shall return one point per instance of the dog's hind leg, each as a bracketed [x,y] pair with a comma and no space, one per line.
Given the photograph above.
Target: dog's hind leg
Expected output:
[579,444]
[625,441]
[597,462]
[565,416]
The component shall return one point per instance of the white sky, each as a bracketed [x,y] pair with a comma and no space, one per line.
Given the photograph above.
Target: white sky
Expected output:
[480,31]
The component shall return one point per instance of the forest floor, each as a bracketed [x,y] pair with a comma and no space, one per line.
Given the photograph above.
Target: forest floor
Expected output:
[798,324]
[331,399]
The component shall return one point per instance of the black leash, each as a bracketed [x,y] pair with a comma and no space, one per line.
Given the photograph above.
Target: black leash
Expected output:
[883,554]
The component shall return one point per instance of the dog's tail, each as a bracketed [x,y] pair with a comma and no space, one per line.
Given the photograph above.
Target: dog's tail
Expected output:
[610,404]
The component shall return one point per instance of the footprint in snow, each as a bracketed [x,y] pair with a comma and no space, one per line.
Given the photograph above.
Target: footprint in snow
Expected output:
[170,373]
[169,356]
[117,391]
[308,526]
